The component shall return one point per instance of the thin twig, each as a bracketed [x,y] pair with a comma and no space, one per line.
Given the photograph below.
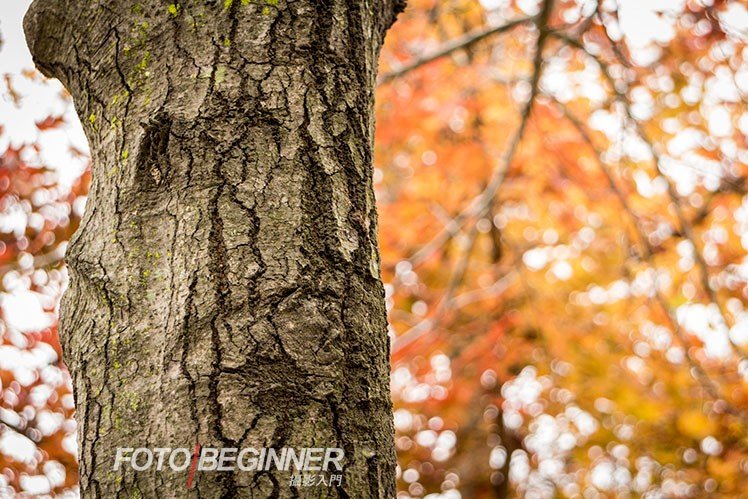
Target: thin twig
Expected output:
[446,303]
[41,261]
[465,41]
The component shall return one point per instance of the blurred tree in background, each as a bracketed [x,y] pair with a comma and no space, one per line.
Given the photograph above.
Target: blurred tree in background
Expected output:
[561,190]
[38,215]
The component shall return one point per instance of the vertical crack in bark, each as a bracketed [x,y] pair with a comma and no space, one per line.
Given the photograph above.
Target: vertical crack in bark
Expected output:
[222,289]
[184,341]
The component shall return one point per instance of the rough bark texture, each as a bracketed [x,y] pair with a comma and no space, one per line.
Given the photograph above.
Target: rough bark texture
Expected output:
[224,283]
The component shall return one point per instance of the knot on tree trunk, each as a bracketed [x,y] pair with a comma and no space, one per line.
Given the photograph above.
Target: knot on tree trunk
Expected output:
[153,157]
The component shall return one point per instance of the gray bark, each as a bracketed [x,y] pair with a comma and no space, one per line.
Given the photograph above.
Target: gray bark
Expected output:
[224,284]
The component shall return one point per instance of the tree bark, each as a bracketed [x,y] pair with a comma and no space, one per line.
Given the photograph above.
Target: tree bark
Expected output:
[224,284]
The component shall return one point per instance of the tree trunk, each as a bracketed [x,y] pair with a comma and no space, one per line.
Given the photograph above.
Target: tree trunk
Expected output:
[224,284]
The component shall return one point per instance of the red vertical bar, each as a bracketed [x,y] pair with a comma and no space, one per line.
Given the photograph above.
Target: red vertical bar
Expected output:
[193,466]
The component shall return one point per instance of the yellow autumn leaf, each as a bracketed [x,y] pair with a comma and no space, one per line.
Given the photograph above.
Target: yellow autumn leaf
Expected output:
[695,424]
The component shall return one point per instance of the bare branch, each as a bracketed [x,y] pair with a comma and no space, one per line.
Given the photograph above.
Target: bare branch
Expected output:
[452,46]
[481,203]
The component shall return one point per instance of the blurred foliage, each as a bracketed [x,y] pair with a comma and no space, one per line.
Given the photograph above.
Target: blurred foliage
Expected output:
[563,238]
[37,218]
[566,279]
